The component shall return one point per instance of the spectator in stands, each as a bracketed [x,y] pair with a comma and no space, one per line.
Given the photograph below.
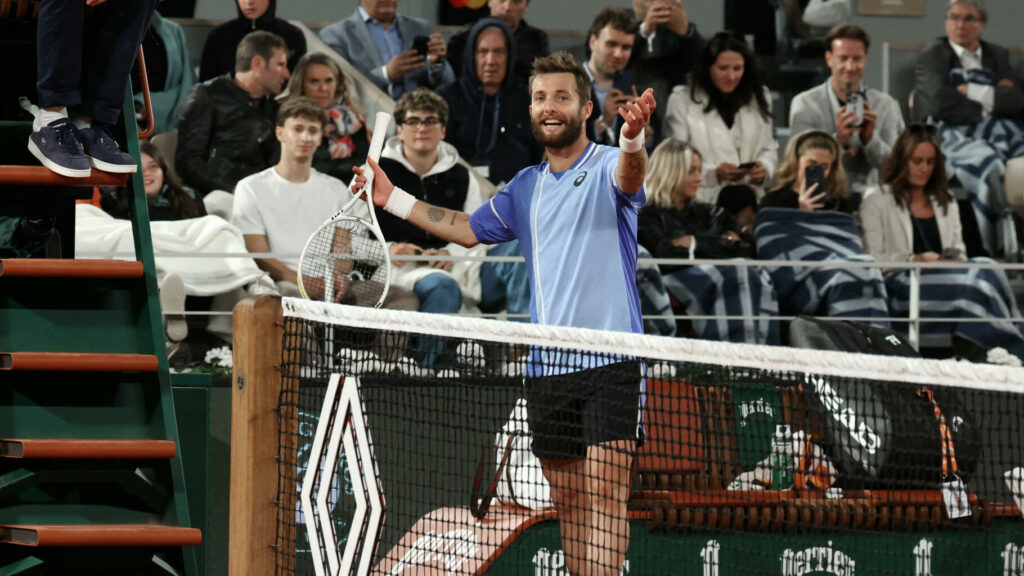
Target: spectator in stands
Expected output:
[169,71]
[418,160]
[219,49]
[831,107]
[811,148]
[167,198]
[966,86]
[279,208]
[531,42]
[489,111]
[93,84]
[961,78]
[675,224]
[665,49]
[798,222]
[382,44]
[913,217]
[610,45]
[725,114]
[346,137]
[226,125]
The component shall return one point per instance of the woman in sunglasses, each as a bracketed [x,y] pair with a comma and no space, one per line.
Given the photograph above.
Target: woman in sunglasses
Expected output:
[912,217]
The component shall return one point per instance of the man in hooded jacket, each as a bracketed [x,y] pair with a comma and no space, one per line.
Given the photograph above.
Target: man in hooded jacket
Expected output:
[489,120]
[219,49]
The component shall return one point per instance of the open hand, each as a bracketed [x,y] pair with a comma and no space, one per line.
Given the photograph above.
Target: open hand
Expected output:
[637,114]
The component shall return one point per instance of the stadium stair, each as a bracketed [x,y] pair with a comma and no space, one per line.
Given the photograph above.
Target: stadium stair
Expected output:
[91,477]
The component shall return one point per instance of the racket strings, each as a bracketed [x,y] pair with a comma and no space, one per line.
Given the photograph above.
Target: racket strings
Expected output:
[347,252]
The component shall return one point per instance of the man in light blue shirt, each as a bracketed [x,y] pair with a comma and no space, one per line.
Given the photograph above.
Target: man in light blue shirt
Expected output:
[575,217]
[381,44]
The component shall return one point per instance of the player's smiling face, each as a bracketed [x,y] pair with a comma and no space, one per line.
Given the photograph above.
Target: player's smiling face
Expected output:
[555,110]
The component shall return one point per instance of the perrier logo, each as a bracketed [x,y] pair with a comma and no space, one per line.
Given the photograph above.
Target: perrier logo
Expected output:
[817,560]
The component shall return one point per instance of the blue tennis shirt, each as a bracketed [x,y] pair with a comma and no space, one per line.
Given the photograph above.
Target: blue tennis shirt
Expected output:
[577,230]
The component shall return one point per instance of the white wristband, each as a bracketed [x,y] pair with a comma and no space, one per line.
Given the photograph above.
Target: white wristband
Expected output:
[400,203]
[630,144]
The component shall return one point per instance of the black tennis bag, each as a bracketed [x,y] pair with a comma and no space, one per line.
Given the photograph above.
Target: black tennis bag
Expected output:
[882,434]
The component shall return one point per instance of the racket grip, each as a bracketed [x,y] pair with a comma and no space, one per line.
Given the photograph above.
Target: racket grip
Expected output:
[381,122]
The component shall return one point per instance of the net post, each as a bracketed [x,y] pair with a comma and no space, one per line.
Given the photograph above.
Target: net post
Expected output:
[256,386]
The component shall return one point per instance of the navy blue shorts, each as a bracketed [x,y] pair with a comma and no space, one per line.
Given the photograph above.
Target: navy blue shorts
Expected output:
[569,412]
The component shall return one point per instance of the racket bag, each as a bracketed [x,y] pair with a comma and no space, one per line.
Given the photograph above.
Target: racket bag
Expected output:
[881,434]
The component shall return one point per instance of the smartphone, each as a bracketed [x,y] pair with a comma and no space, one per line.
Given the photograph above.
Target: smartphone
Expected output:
[855,102]
[815,174]
[419,44]
[950,254]
[747,165]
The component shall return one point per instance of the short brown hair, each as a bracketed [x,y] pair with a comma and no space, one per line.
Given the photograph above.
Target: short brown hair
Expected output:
[563,63]
[301,107]
[258,43]
[421,99]
[621,19]
[847,31]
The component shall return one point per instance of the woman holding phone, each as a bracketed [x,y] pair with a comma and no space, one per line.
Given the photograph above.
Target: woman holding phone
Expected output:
[725,115]
[811,177]
[913,217]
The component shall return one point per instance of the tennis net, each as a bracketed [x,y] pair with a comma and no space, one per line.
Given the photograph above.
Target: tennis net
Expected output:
[754,459]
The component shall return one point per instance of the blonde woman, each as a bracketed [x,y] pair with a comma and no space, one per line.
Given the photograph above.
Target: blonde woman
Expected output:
[675,224]
[810,150]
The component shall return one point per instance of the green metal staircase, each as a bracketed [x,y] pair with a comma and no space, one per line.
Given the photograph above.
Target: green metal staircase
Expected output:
[91,478]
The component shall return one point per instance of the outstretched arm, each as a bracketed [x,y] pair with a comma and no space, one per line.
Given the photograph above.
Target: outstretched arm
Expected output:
[632,167]
[450,225]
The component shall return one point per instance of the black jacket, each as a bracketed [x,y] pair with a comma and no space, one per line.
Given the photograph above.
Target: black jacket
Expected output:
[445,189]
[657,227]
[788,198]
[935,95]
[219,49]
[531,43]
[491,130]
[224,135]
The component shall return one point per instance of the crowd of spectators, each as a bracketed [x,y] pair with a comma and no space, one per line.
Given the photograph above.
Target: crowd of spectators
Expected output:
[719,187]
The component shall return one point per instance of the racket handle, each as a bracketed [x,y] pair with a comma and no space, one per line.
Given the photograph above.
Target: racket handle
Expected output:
[381,122]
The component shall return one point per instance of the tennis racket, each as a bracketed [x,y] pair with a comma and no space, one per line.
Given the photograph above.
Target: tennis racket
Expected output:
[346,260]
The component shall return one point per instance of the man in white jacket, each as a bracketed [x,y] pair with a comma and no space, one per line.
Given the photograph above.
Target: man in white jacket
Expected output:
[865,137]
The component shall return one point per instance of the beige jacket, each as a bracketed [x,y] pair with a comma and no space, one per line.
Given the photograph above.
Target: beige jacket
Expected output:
[889,233]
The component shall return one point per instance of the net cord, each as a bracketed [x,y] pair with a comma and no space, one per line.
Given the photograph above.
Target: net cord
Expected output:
[947,373]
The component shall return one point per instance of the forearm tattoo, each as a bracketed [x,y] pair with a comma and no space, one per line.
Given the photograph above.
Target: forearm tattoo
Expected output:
[636,166]
[454,216]
[436,214]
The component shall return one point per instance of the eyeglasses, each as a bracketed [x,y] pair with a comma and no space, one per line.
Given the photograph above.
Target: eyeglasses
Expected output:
[417,122]
[920,128]
[968,19]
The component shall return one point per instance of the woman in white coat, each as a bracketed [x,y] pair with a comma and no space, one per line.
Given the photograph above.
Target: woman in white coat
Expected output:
[913,217]
[725,115]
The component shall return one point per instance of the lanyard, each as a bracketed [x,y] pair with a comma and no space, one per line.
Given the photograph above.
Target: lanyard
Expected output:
[948,451]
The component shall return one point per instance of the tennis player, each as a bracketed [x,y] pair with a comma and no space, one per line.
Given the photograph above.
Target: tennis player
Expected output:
[575,216]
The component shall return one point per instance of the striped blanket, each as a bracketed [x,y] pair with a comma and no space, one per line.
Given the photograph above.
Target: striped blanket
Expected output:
[787,234]
[705,290]
[654,299]
[966,294]
[977,154]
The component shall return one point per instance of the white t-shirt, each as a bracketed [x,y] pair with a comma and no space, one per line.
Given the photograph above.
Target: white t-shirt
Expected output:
[287,213]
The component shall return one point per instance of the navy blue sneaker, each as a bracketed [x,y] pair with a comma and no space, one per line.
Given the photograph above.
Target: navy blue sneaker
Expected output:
[58,146]
[104,153]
